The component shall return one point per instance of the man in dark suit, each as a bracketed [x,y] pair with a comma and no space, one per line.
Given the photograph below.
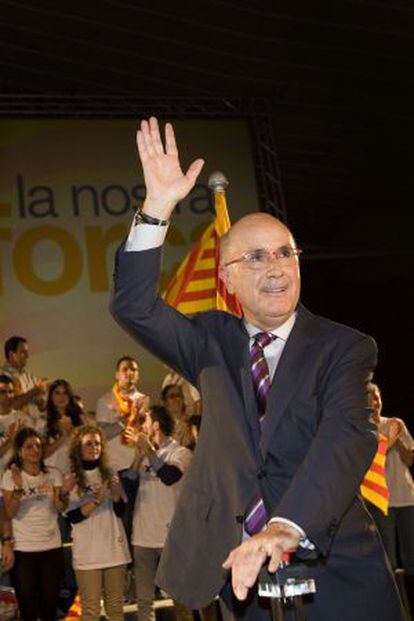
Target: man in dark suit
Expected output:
[285,428]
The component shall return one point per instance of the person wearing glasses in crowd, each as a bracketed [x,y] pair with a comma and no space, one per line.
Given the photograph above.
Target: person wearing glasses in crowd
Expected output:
[286,437]
[184,429]
[100,547]
[191,395]
[33,496]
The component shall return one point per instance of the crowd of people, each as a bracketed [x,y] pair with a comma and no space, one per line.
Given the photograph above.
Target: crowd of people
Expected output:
[108,482]
[105,481]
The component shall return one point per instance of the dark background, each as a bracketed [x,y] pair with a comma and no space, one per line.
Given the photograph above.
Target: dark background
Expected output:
[338,77]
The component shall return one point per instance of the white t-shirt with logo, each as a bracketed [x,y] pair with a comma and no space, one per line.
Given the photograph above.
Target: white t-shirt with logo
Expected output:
[99,540]
[35,526]
[155,502]
[108,411]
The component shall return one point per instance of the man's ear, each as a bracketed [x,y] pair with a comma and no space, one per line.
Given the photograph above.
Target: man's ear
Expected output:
[224,275]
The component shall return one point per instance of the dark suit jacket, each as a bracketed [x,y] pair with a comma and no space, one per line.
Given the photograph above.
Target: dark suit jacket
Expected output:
[315,447]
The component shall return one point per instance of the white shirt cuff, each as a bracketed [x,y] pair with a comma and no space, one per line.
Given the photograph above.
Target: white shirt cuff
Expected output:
[304,541]
[145,237]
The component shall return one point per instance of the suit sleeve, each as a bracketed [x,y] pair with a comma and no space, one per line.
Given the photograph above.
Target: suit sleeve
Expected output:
[138,308]
[328,479]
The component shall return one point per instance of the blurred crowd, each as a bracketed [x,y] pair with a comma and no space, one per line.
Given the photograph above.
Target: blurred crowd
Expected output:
[87,497]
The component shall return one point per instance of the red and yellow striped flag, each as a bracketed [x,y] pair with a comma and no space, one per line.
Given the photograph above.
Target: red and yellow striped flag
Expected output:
[196,285]
[75,611]
[374,486]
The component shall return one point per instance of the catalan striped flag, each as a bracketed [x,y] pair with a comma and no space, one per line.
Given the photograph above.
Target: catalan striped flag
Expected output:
[196,285]
[374,486]
[75,611]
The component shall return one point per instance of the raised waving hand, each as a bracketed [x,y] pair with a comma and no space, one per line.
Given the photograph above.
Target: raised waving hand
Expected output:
[165,181]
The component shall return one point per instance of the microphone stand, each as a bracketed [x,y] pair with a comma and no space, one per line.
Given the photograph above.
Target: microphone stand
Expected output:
[286,586]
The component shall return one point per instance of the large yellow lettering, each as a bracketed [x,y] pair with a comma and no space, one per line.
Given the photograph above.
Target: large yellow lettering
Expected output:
[72,260]
[97,243]
[5,235]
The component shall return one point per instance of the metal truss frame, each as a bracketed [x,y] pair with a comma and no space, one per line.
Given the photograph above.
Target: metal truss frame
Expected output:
[256,111]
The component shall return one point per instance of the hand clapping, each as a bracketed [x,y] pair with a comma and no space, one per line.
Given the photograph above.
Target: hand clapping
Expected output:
[16,475]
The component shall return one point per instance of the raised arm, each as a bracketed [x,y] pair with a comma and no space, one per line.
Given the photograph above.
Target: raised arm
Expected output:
[165,182]
[136,303]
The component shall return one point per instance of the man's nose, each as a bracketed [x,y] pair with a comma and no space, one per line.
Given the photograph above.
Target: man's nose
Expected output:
[274,266]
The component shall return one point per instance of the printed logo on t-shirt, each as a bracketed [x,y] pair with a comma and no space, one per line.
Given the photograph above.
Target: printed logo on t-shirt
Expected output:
[38,491]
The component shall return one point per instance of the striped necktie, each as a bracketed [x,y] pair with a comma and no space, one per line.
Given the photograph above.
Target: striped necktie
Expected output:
[259,368]
[256,516]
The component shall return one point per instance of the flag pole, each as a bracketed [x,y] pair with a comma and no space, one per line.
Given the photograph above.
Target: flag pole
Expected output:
[217,182]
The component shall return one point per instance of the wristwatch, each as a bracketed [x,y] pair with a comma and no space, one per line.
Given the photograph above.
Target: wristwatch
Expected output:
[8,539]
[144,218]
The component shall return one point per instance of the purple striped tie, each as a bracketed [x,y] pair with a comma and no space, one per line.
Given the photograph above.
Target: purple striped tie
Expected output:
[260,370]
[256,516]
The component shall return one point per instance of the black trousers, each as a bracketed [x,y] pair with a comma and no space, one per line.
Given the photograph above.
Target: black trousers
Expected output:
[35,578]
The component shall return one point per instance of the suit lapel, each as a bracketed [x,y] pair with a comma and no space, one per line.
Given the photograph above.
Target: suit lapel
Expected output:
[239,363]
[292,366]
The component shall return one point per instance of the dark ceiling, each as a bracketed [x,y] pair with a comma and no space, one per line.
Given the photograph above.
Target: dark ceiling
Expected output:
[339,78]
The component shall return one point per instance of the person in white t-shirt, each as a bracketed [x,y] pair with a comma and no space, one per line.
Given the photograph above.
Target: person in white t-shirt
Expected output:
[32,496]
[120,408]
[100,546]
[10,420]
[63,415]
[396,529]
[30,391]
[161,463]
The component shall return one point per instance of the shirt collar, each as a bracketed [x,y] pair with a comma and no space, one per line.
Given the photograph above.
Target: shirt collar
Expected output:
[282,332]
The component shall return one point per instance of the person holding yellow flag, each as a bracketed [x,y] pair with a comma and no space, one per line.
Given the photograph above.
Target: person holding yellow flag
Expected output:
[286,437]
[396,528]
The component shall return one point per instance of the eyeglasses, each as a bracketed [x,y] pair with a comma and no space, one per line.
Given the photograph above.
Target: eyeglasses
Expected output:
[257,259]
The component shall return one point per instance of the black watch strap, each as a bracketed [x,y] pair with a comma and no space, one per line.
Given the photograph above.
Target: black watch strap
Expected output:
[144,218]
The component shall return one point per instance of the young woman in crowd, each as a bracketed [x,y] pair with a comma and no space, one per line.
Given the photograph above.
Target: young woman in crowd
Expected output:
[63,414]
[185,429]
[33,496]
[100,547]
